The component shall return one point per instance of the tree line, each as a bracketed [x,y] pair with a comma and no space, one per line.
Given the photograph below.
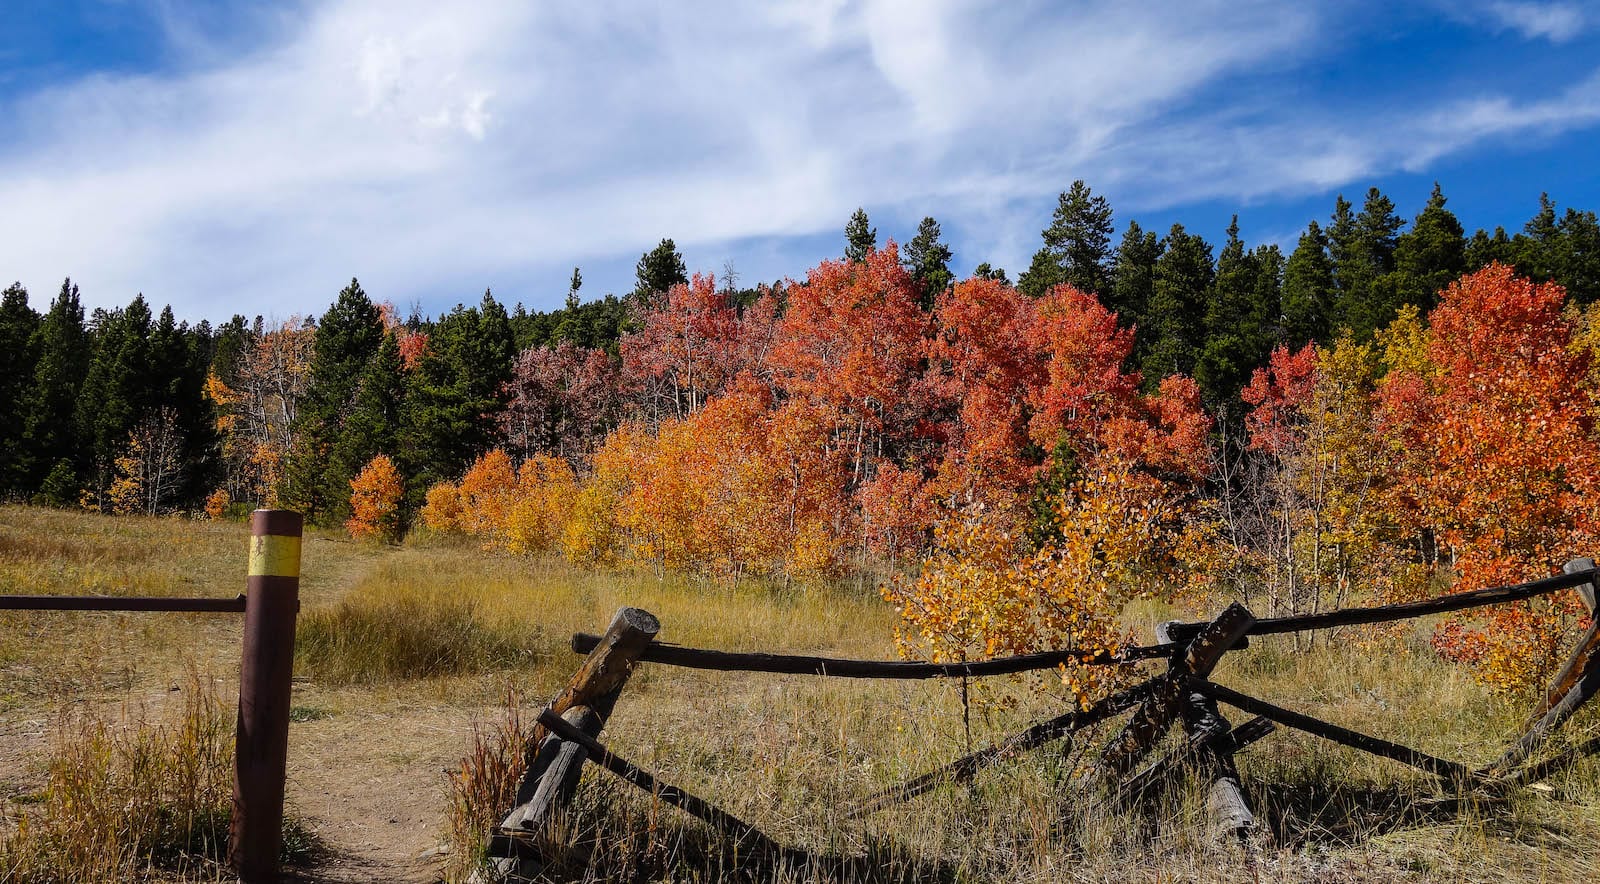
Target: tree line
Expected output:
[123,409]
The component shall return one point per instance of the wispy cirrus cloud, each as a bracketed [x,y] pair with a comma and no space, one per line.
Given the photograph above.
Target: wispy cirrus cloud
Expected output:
[1556,22]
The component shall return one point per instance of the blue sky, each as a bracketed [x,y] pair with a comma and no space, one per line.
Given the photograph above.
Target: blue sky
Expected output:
[246,157]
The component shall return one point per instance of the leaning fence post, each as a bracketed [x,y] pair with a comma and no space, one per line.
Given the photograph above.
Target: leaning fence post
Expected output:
[255,835]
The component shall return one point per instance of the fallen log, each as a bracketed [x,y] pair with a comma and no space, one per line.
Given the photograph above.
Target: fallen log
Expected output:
[797,664]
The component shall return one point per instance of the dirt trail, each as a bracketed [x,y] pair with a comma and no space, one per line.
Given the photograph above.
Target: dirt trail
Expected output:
[371,785]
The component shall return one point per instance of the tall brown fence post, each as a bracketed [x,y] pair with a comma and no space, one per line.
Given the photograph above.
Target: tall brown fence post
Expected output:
[272,601]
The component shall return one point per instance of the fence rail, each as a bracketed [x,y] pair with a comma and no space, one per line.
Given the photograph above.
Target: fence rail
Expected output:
[1183,692]
[235,605]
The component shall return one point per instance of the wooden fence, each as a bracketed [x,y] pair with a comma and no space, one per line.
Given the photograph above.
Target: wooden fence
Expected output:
[569,727]
[270,604]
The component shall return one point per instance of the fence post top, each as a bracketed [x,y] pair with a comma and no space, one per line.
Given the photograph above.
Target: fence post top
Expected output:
[276,523]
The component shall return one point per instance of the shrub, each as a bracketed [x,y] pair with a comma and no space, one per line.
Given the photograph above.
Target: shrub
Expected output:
[405,634]
[128,800]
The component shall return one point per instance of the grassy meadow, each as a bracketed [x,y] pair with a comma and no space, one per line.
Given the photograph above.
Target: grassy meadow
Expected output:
[409,655]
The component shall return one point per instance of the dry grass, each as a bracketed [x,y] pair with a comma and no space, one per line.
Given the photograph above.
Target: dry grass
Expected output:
[789,754]
[138,796]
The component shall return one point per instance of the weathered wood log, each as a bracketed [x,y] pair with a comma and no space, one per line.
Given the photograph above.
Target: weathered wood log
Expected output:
[1236,740]
[719,819]
[1405,611]
[966,767]
[796,664]
[554,776]
[554,764]
[1416,758]
[606,668]
[1230,814]
[1155,715]
[1551,766]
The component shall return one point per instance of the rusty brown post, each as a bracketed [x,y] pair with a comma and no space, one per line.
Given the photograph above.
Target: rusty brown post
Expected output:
[261,756]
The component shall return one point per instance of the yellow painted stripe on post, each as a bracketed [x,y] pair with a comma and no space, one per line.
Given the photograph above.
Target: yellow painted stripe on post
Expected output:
[274,556]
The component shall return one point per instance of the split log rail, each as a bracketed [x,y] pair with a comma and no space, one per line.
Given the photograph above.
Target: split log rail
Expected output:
[569,728]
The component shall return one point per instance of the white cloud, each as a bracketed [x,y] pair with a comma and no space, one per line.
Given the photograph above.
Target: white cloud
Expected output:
[433,150]
[1556,22]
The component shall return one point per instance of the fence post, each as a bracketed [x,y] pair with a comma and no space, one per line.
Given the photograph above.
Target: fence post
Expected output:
[255,835]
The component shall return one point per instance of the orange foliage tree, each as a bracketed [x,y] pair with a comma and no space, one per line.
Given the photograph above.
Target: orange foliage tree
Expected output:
[1502,460]
[375,497]
[1119,523]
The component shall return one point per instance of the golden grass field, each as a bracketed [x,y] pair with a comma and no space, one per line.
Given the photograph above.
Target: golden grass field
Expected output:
[407,652]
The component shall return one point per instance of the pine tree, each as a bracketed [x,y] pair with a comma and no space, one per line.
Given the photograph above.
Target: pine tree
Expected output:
[1043,274]
[1240,313]
[50,433]
[455,395]
[984,271]
[1564,249]
[1363,248]
[348,335]
[659,269]
[928,260]
[1183,276]
[373,426]
[1308,291]
[180,360]
[1485,248]
[1431,255]
[1134,277]
[860,238]
[18,324]
[572,289]
[1077,245]
[117,391]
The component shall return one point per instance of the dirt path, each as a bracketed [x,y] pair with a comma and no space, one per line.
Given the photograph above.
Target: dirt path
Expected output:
[371,785]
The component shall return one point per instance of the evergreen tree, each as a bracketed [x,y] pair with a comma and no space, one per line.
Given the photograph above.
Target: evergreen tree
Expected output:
[1308,291]
[1043,274]
[180,359]
[1240,319]
[572,289]
[348,335]
[928,261]
[1485,248]
[1077,243]
[984,271]
[232,341]
[1133,276]
[1176,319]
[1363,259]
[456,393]
[117,392]
[860,238]
[1565,249]
[50,432]
[373,426]
[18,325]
[1429,256]
[659,269]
